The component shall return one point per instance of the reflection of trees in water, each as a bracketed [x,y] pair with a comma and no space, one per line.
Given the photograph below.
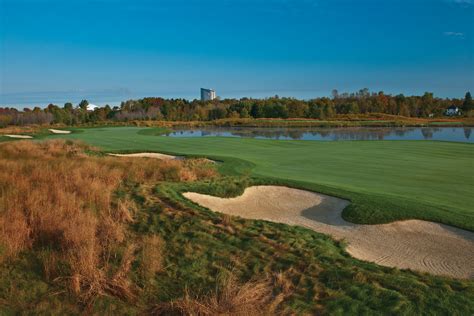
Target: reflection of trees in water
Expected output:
[325,133]
[183,133]
[400,132]
[355,133]
[322,133]
[368,133]
[427,133]
[467,132]
[270,133]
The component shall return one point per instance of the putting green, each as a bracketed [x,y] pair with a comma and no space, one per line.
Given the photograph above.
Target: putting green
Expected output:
[385,180]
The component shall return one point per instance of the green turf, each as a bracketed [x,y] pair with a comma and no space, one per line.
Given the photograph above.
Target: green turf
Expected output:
[385,180]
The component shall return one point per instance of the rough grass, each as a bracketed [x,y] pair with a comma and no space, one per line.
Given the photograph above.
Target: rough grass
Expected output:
[33,129]
[59,201]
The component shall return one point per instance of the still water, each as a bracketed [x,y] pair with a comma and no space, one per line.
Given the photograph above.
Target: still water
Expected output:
[453,134]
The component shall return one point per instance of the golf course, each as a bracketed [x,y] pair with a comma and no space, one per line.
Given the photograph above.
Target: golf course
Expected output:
[236,158]
[113,220]
[384,180]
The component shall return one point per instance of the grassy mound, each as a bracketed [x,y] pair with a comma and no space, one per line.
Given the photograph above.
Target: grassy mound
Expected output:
[85,233]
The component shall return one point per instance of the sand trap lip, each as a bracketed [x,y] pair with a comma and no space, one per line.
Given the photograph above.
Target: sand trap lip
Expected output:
[149,155]
[58,131]
[413,244]
[208,160]
[17,136]
[158,156]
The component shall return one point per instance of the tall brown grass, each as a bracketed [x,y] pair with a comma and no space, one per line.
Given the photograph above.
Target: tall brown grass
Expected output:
[230,298]
[59,202]
[32,129]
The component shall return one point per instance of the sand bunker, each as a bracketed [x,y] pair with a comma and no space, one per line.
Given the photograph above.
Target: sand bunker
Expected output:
[18,136]
[59,131]
[412,244]
[148,155]
[158,156]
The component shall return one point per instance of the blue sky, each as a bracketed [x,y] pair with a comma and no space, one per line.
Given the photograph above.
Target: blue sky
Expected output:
[300,48]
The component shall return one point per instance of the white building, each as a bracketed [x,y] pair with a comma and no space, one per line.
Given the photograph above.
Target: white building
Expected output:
[91,107]
[207,94]
[452,111]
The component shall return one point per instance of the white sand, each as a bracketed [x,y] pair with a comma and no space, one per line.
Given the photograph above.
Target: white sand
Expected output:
[158,156]
[59,131]
[207,160]
[412,244]
[18,136]
[148,155]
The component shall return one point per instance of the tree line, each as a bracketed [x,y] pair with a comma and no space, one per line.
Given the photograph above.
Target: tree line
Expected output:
[156,108]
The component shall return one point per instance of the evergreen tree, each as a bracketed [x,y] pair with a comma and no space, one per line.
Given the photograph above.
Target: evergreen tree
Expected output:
[468,105]
[83,105]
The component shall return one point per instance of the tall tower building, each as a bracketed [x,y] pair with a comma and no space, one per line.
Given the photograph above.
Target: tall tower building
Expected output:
[207,94]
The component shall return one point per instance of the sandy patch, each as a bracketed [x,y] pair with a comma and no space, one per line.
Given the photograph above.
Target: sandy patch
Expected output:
[208,160]
[18,136]
[159,156]
[412,244]
[58,131]
[205,160]
[148,155]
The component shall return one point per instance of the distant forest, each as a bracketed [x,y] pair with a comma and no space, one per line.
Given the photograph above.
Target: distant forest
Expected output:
[155,108]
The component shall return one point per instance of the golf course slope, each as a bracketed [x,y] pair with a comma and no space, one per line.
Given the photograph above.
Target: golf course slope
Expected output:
[413,244]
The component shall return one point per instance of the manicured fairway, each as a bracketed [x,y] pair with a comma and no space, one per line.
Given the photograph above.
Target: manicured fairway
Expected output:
[385,180]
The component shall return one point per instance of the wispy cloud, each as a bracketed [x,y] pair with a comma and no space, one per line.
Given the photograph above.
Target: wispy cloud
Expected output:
[463,3]
[454,34]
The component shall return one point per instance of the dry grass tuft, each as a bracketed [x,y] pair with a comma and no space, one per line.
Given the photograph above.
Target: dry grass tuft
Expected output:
[152,256]
[126,210]
[232,298]
[284,283]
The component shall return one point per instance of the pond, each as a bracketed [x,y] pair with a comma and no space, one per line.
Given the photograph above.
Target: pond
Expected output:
[453,134]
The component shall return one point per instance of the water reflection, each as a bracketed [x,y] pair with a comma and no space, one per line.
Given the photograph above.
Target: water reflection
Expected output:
[467,132]
[456,134]
[427,133]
